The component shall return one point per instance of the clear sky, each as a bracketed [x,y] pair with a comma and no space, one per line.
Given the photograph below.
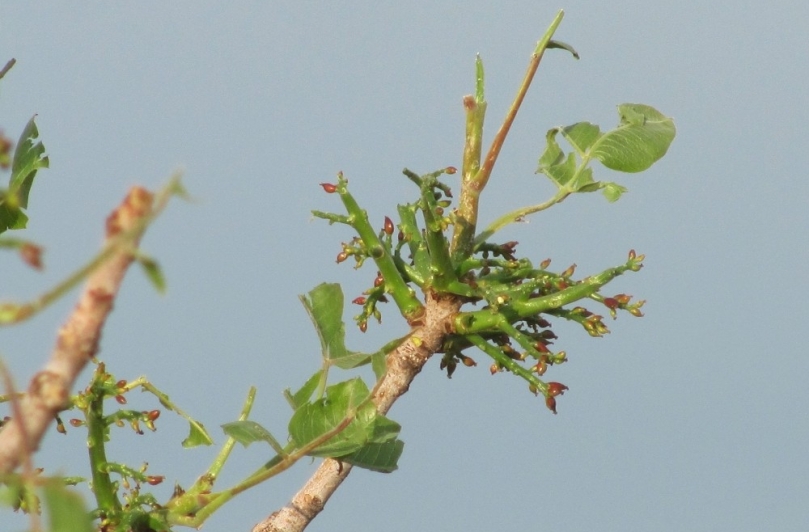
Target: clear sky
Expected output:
[692,418]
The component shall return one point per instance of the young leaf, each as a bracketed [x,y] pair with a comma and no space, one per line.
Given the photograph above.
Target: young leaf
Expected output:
[303,395]
[563,46]
[28,158]
[154,273]
[553,162]
[247,432]
[66,510]
[324,304]
[343,401]
[643,136]
[380,457]
[197,435]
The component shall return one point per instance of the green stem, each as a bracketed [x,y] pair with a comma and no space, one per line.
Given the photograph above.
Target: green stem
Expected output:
[474,183]
[103,488]
[404,296]
[487,320]
[507,362]
[518,215]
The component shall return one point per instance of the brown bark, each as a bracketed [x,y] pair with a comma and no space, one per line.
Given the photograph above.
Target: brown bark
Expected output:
[49,389]
[404,363]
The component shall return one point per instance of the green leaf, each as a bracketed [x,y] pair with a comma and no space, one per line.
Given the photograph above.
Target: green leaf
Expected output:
[553,162]
[379,364]
[247,432]
[28,158]
[342,401]
[197,435]
[563,46]
[641,139]
[66,511]
[581,136]
[303,395]
[154,273]
[381,457]
[325,307]
[613,191]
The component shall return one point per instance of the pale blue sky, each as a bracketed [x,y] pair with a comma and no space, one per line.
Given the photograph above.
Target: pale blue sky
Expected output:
[692,418]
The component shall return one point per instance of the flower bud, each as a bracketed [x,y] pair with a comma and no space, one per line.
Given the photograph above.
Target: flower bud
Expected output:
[550,402]
[329,187]
[556,388]
[360,300]
[388,226]
[468,361]
[569,271]
[31,255]
[450,170]
[544,264]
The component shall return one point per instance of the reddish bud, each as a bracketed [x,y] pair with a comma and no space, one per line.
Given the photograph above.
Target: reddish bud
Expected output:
[541,367]
[569,271]
[360,300]
[363,326]
[611,303]
[469,103]
[121,399]
[154,480]
[388,227]
[468,362]
[547,334]
[550,402]
[632,254]
[329,187]
[493,369]
[541,347]
[450,170]
[378,280]
[544,264]
[32,255]
[342,256]
[153,414]
[623,299]
[556,388]
[120,384]
[561,284]
[60,427]
[76,422]
[400,236]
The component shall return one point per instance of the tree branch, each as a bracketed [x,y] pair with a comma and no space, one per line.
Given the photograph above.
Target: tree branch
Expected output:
[49,390]
[404,363]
